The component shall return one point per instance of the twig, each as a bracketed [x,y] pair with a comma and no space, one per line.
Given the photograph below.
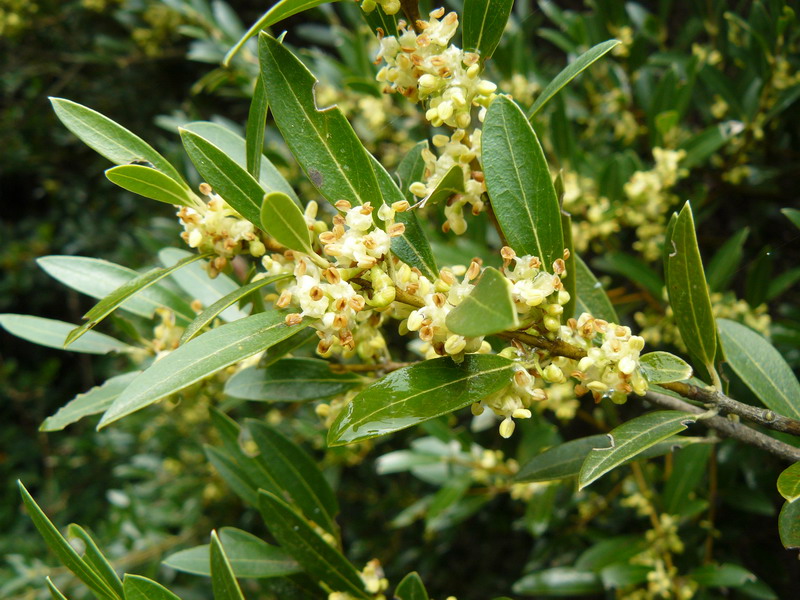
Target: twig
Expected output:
[362,368]
[729,428]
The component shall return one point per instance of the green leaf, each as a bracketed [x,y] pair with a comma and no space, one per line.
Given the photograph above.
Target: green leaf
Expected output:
[518,180]
[570,72]
[411,588]
[319,559]
[761,367]
[98,278]
[93,402]
[296,474]
[223,580]
[283,220]
[235,473]
[778,285]
[111,302]
[688,291]
[620,575]
[377,18]
[256,124]
[570,280]
[663,367]
[415,394]
[488,309]
[152,184]
[483,23]
[94,558]
[452,183]
[793,215]
[724,575]
[559,581]
[236,186]
[110,139]
[591,298]
[63,550]
[235,147]
[249,556]
[213,311]
[630,439]
[412,246]
[51,333]
[55,593]
[726,261]
[689,467]
[789,525]
[561,461]
[789,483]
[199,358]
[141,588]
[280,11]
[194,280]
[635,269]
[700,147]
[322,140]
[291,380]
[411,169]
[618,549]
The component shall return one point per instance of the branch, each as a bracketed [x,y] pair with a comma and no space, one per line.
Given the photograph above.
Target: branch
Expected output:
[762,416]
[729,428]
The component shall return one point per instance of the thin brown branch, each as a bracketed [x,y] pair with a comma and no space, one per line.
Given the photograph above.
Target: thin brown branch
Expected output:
[364,368]
[729,428]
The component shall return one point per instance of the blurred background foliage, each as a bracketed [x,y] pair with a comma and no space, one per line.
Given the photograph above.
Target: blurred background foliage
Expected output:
[699,102]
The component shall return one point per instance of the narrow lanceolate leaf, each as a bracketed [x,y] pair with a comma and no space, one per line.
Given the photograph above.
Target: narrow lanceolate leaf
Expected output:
[483,22]
[726,261]
[725,575]
[789,483]
[93,402]
[418,393]
[411,169]
[223,580]
[411,588]
[52,333]
[687,289]
[689,467]
[63,550]
[559,581]
[321,139]
[570,280]
[518,180]
[663,367]
[153,184]
[201,357]
[283,220]
[110,139]
[111,302]
[256,123]
[213,311]
[562,461]
[793,215]
[282,10]
[761,367]
[488,309]
[570,72]
[377,19]
[296,474]
[412,246]
[630,439]
[789,525]
[591,297]
[291,380]
[55,593]
[317,557]
[452,183]
[235,146]
[95,559]
[98,278]
[141,588]
[237,187]
[249,556]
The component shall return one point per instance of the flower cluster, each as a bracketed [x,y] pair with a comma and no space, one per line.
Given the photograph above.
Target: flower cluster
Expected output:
[390,7]
[216,227]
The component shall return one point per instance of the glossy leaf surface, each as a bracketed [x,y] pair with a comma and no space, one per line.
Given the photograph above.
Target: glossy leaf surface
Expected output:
[318,558]
[724,575]
[561,461]
[519,184]
[94,558]
[415,394]
[411,588]
[250,557]
[663,367]
[559,581]
[411,169]
[223,580]
[789,483]
[450,184]
[52,333]
[199,358]
[592,298]
[570,72]
[761,367]
[256,123]
[55,593]
[789,525]
[140,588]
[291,380]
[483,23]
[687,289]
[283,220]
[630,439]
[488,309]
[151,183]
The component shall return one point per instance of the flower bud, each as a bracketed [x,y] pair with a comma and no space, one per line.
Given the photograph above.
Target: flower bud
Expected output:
[507,427]
[553,374]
